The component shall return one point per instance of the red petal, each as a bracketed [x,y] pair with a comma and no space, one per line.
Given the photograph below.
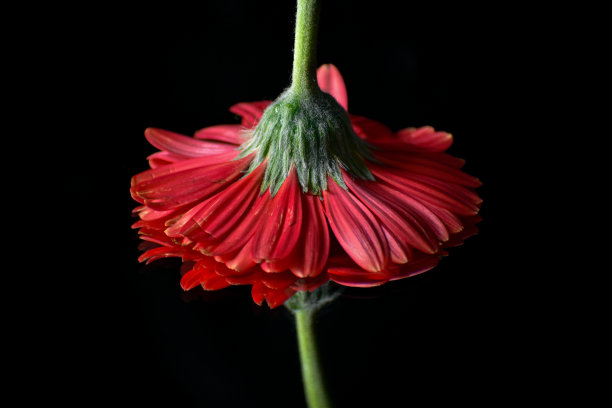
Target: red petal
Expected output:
[400,252]
[426,138]
[281,221]
[415,267]
[406,218]
[166,190]
[226,218]
[312,249]
[371,130]
[183,165]
[417,164]
[250,111]
[278,280]
[453,224]
[331,82]
[159,253]
[191,279]
[275,298]
[258,291]
[348,274]
[241,260]
[185,146]
[356,228]
[163,158]
[469,230]
[222,133]
[441,195]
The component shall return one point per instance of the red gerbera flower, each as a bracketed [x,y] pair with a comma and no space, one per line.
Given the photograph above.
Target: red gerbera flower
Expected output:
[299,194]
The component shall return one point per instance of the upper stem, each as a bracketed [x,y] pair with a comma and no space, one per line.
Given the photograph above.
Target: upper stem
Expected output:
[304,76]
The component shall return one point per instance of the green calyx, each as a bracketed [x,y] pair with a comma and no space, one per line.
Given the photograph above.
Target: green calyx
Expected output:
[311,132]
[313,300]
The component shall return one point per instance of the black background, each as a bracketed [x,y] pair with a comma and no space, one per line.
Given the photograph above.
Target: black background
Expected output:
[469,330]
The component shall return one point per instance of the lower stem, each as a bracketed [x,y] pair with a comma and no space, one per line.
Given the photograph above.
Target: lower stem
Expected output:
[311,371]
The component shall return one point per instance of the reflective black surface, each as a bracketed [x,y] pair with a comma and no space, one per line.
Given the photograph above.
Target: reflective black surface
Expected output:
[458,332]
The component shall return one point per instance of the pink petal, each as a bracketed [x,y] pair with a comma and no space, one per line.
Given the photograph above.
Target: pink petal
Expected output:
[356,228]
[185,146]
[331,82]
[312,249]
[222,133]
[250,111]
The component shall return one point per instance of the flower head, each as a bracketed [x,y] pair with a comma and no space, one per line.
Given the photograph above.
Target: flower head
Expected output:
[301,193]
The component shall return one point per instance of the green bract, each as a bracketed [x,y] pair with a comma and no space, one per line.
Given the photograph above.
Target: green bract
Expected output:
[312,133]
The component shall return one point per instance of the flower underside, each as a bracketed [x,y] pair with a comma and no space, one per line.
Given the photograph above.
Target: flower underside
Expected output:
[314,135]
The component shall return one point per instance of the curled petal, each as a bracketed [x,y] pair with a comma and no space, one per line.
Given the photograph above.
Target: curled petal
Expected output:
[250,111]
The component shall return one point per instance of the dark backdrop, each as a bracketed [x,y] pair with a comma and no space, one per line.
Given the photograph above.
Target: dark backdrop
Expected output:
[460,331]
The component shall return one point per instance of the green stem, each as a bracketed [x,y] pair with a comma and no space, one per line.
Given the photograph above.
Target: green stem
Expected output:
[304,76]
[311,371]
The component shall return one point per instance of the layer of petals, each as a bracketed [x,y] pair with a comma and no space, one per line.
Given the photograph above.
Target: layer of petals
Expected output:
[226,220]
[404,217]
[186,182]
[356,228]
